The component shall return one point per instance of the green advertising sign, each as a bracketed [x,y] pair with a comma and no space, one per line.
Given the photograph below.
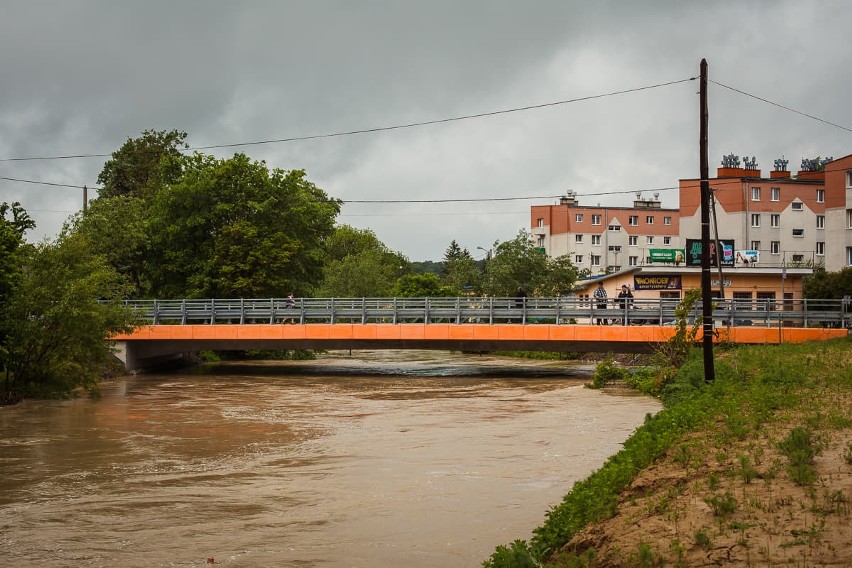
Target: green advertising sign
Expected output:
[666,255]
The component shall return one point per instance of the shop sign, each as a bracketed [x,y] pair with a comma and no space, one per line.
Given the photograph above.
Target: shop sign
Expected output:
[661,282]
[666,255]
[693,252]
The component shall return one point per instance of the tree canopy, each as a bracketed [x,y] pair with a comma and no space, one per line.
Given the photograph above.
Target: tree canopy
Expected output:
[519,264]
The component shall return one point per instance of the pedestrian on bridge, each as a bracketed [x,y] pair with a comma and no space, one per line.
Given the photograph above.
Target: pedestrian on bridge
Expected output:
[600,298]
[625,301]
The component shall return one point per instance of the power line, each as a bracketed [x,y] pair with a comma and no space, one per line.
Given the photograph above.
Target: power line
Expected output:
[47,183]
[779,105]
[486,199]
[378,128]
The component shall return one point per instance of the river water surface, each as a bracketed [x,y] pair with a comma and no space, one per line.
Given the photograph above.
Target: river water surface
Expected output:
[394,458]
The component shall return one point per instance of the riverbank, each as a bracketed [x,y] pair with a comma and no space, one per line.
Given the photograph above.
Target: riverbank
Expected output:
[754,469]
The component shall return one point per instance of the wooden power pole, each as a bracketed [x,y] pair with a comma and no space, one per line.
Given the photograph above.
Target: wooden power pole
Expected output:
[706,290]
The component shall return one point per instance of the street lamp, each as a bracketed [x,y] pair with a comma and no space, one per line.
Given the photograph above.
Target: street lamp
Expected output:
[487,252]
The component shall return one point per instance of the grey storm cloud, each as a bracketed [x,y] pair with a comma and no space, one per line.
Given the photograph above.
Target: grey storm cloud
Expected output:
[81,77]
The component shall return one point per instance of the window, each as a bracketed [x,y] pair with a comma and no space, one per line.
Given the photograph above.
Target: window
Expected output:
[539,222]
[578,238]
[578,259]
[798,232]
[540,241]
[596,219]
[615,228]
[775,220]
[848,250]
[849,180]
[596,239]
[578,217]
[775,194]
[633,220]
[755,219]
[820,221]
[820,196]
[798,258]
[775,247]
[820,248]
[649,239]
[849,218]
[755,245]
[796,206]
[649,219]
[633,241]
[667,240]
[633,260]
[596,260]
[755,194]
[767,299]
[615,248]
[667,220]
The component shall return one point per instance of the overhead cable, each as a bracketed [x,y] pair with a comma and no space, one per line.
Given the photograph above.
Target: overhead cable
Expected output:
[378,128]
[779,105]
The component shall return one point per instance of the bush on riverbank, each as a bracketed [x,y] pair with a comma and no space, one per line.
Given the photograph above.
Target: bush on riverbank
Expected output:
[692,467]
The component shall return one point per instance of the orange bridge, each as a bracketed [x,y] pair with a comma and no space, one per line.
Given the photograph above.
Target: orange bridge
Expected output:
[153,344]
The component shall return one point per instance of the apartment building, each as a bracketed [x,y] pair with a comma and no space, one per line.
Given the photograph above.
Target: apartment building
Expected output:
[607,239]
[772,232]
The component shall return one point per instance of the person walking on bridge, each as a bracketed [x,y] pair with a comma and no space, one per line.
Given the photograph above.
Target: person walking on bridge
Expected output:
[600,299]
[625,301]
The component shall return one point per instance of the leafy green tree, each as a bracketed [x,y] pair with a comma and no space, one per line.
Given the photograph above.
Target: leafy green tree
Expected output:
[55,329]
[234,228]
[117,228]
[460,271]
[12,232]
[367,274]
[422,286]
[359,265]
[138,168]
[828,285]
[519,264]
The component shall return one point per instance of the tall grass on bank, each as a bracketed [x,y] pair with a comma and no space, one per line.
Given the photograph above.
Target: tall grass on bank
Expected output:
[754,386]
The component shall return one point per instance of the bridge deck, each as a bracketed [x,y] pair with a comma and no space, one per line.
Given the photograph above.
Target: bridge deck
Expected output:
[157,341]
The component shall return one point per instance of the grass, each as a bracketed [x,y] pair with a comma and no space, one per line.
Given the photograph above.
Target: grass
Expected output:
[759,392]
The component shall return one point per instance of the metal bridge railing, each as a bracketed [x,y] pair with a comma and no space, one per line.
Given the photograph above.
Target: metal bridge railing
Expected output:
[488,310]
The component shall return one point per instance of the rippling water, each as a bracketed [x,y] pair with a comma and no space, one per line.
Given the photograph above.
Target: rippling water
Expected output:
[367,459]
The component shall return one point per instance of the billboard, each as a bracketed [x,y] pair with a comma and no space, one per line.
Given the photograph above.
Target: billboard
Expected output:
[693,252]
[674,256]
[661,282]
[747,257]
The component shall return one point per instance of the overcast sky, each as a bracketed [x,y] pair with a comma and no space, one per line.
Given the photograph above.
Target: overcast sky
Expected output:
[80,77]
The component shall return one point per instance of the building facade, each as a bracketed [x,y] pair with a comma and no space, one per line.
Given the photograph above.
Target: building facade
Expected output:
[770,232]
[608,239]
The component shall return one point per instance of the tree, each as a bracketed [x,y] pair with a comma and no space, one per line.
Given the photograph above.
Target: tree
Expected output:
[421,286]
[117,228]
[359,265]
[138,168]
[234,228]
[460,271]
[55,329]
[519,264]
[12,232]
[828,285]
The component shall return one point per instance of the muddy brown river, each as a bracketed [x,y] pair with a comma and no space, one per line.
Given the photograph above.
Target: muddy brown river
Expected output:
[386,458]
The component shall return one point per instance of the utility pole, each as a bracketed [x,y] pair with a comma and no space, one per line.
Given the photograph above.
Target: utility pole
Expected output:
[706,291]
[85,198]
